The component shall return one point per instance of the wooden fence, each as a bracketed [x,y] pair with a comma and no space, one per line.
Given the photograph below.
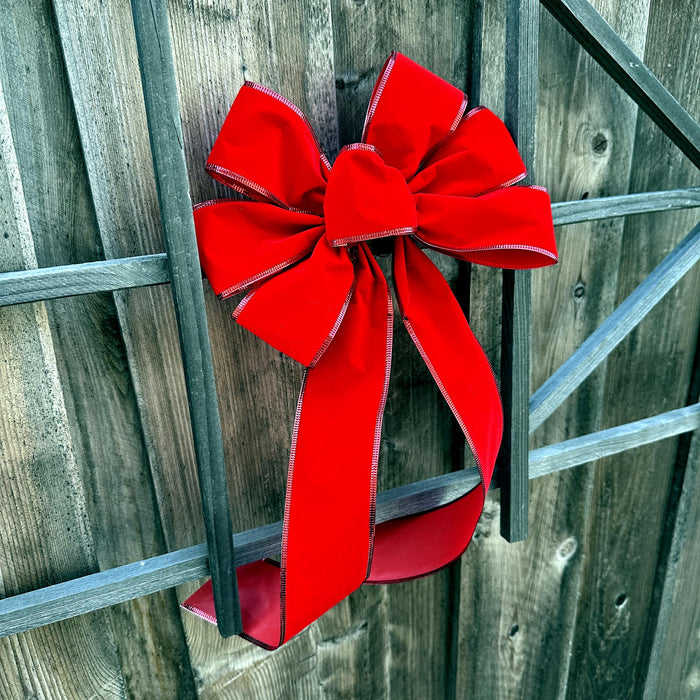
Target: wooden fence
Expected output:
[99,466]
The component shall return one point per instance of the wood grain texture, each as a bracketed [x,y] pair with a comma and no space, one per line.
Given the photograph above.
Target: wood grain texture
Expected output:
[57,281]
[45,532]
[648,373]
[674,666]
[518,603]
[522,35]
[671,642]
[622,205]
[630,313]
[571,453]
[523,596]
[100,402]
[611,52]
[289,48]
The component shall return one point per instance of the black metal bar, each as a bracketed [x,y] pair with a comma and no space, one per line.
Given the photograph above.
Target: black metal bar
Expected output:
[88,593]
[162,111]
[125,273]
[522,31]
[615,327]
[596,36]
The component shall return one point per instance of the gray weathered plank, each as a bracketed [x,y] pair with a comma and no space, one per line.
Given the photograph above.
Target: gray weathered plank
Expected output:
[614,329]
[43,520]
[672,669]
[611,52]
[624,205]
[571,453]
[289,48]
[98,43]
[163,113]
[82,278]
[53,282]
[668,643]
[90,356]
[648,373]
[522,34]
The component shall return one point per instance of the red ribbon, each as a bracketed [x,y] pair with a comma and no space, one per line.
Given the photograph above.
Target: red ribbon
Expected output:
[426,175]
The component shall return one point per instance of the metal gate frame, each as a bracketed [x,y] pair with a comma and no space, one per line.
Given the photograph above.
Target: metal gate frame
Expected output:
[180,267]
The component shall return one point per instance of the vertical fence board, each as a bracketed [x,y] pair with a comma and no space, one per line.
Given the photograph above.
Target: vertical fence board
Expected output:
[525,594]
[672,645]
[100,402]
[647,374]
[408,623]
[45,534]
[675,670]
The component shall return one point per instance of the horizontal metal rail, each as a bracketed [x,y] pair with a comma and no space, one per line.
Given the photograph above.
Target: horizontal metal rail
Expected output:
[598,38]
[614,329]
[146,270]
[94,591]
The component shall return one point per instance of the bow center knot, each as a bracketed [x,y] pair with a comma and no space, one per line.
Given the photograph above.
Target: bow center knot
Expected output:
[366,198]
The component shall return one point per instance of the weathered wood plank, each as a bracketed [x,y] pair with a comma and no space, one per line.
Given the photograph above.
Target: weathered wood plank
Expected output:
[520,599]
[522,34]
[163,113]
[614,329]
[611,52]
[674,645]
[43,519]
[624,205]
[672,670]
[98,43]
[95,382]
[75,279]
[288,47]
[24,286]
[122,583]
[571,453]
[648,373]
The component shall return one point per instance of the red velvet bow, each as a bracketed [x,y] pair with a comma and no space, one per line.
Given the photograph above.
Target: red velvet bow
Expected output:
[425,173]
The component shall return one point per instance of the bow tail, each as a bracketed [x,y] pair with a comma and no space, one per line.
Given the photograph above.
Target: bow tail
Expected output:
[328,522]
[417,545]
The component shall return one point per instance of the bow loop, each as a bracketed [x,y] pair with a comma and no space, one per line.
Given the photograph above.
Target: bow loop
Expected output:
[242,243]
[268,151]
[300,311]
[411,112]
[366,199]
[478,157]
[510,227]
